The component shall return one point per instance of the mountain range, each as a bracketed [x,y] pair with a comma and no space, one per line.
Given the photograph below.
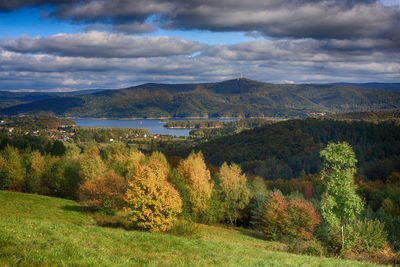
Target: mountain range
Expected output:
[232,98]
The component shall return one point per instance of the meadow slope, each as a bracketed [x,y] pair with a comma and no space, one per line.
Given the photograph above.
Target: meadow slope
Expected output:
[45,231]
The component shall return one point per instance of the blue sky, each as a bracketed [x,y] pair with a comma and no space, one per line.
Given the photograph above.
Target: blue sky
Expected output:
[49,45]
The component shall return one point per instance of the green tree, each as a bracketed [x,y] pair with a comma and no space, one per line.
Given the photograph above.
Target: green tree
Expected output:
[340,203]
[233,192]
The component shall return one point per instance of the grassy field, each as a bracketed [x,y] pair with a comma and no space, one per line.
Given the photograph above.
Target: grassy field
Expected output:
[44,231]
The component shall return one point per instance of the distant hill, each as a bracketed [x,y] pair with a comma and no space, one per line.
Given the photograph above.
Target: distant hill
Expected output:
[9,99]
[380,86]
[232,98]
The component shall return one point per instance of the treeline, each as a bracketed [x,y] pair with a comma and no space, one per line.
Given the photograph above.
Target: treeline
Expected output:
[36,122]
[30,143]
[104,134]
[229,128]
[386,117]
[290,148]
[191,124]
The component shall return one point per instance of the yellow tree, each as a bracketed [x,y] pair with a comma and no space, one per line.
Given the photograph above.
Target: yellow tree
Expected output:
[35,171]
[197,179]
[151,202]
[12,171]
[91,163]
[233,192]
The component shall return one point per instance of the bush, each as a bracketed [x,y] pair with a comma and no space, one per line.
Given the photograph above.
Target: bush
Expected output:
[301,219]
[365,235]
[117,220]
[311,247]
[104,193]
[187,228]
[293,218]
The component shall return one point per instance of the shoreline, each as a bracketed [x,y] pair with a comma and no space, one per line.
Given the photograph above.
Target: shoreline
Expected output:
[150,118]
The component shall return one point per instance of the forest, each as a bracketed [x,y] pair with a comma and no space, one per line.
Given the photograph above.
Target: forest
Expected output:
[279,180]
[241,98]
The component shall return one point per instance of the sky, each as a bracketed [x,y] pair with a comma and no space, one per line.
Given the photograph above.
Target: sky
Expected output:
[66,45]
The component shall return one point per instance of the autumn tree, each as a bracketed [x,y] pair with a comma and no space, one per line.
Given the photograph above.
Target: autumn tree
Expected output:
[197,179]
[116,157]
[151,202]
[292,217]
[91,163]
[35,170]
[340,203]
[233,192]
[104,192]
[12,171]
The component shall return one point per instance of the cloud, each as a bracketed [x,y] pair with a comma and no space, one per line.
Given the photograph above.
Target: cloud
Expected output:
[276,61]
[295,18]
[305,41]
[318,19]
[101,44]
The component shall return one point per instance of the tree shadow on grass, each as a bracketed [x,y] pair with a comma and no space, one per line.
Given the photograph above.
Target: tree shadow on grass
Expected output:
[251,233]
[76,208]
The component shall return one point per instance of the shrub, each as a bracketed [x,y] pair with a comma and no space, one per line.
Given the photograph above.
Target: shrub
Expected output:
[311,247]
[116,220]
[187,228]
[366,235]
[301,219]
[104,193]
[294,218]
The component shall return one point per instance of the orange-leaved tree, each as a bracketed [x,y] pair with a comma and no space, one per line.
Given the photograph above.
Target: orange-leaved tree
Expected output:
[288,218]
[151,202]
[197,179]
[104,192]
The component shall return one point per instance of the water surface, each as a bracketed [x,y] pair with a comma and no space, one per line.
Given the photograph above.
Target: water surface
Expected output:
[155,126]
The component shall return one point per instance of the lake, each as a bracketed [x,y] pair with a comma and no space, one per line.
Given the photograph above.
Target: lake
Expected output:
[155,126]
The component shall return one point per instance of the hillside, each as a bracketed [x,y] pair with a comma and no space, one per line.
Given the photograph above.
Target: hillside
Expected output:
[288,148]
[44,231]
[232,98]
[379,86]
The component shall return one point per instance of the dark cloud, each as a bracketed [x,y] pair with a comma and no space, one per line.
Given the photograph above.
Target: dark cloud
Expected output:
[10,5]
[319,19]
[101,44]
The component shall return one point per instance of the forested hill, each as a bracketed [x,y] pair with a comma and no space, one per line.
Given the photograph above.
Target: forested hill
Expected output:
[232,98]
[289,148]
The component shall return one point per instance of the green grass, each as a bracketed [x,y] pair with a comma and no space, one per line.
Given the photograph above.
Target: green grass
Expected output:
[44,231]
